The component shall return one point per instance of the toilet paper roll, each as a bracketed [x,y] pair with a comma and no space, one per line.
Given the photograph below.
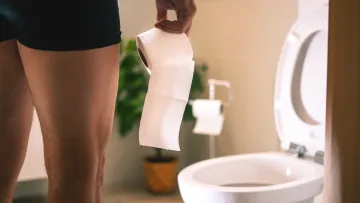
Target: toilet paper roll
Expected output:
[206,108]
[209,118]
[160,121]
[172,80]
[168,58]
[158,47]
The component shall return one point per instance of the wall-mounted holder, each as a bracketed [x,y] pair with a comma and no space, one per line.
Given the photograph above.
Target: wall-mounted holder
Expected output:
[212,86]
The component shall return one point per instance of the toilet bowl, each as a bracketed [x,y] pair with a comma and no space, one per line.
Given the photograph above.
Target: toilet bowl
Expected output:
[258,177]
[294,174]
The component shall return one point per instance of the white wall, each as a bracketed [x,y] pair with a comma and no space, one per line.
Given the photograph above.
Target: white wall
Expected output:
[241,40]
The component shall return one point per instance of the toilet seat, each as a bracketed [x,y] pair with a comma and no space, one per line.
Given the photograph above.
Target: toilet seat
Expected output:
[299,107]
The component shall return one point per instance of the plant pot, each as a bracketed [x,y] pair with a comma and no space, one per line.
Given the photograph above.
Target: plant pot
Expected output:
[161,174]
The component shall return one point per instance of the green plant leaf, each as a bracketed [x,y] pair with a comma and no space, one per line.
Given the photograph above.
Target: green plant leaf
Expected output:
[122,47]
[131,46]
[188,116]
[128,62]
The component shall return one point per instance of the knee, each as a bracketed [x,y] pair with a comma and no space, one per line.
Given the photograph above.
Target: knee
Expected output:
[101,171]
[72,165]
[73,150]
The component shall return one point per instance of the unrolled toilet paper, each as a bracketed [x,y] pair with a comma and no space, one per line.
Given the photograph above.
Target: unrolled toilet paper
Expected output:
[168,58]
[209,117]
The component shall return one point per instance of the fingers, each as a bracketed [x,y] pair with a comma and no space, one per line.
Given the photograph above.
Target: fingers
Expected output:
[187,31]
[186,17]
[165,4]
[175,26]
[162,6]
[161,14]
[170,26]
[185,14]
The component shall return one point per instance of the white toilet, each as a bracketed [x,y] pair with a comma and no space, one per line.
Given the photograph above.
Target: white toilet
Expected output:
[294,175]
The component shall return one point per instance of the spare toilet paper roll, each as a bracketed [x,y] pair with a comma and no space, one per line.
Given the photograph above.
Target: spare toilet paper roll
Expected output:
[169,57]
[209,118]
[206,107]
[158,47]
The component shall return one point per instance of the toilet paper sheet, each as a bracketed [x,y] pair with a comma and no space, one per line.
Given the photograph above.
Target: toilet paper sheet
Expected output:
[160,121]
[209,125]
[172,80]
[168,58]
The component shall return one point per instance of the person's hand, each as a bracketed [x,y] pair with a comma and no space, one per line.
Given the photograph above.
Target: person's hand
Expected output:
[185,11]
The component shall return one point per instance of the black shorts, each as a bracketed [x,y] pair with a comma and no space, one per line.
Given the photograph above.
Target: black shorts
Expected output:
[60,25]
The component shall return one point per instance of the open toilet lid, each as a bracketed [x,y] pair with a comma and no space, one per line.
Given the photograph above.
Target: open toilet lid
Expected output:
[300,89]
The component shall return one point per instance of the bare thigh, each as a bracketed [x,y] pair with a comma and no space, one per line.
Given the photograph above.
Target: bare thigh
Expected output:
[16,111]
[74,93]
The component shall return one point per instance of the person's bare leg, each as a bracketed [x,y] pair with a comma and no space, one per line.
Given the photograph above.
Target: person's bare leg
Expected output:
[100,179]
[16,111]
[74,93]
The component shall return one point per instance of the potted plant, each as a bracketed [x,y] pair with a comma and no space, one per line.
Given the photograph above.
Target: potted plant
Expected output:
[160,169]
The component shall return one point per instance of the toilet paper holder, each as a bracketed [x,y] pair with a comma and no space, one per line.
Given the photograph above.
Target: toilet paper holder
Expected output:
[212,86]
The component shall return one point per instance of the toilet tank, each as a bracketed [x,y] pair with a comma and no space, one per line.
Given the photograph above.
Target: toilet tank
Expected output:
[34,164]
[306,6]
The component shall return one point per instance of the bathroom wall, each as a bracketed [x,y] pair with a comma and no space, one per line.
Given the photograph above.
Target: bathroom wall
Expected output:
[241,40]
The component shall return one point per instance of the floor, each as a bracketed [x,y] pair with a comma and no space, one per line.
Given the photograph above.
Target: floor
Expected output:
[115,196]
[30,200]
[139,196]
